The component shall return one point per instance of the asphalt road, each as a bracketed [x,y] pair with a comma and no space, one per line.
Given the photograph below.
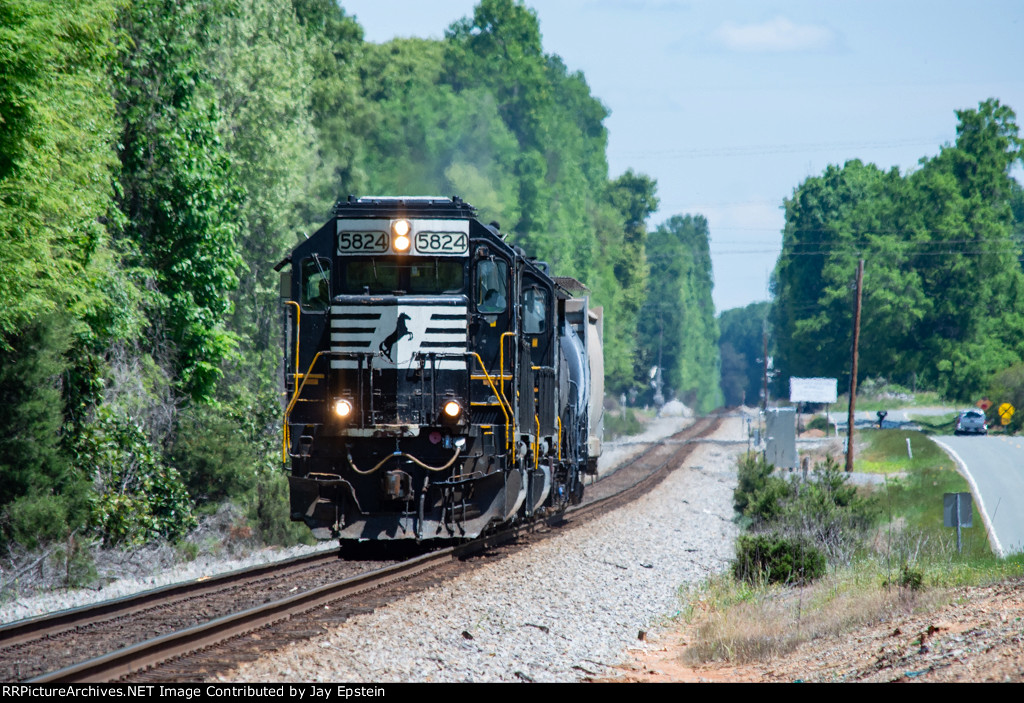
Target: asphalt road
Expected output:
[994,466]
[894,419]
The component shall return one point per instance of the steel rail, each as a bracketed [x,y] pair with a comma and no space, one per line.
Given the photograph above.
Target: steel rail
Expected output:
[138,657]
[42,626]
[701,428]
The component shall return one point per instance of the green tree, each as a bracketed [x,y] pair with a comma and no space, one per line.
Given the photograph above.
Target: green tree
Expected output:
[677,327]
[741,345]
[429,139]
[341,113]
[942,280]
[964,198]
[40,495]
[56,161]
[258,64]
[178,189]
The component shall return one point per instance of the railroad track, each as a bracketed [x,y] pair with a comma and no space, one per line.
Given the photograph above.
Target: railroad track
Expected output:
[147,640]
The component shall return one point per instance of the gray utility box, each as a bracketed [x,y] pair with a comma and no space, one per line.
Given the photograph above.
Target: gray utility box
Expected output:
[781,441]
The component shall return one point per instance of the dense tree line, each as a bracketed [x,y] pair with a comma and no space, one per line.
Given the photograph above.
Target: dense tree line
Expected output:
[678,329]
[943,282]
[158,157]
[741,346]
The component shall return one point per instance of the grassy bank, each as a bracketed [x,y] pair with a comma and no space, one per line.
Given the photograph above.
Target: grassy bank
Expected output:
[905,561]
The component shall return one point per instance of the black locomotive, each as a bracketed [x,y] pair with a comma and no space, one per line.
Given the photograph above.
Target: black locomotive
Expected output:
[437,381]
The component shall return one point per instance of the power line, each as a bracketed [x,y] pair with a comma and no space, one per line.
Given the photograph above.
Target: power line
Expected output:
[771,149]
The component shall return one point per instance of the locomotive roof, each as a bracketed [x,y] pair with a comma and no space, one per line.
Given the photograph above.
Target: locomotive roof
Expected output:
[389,206]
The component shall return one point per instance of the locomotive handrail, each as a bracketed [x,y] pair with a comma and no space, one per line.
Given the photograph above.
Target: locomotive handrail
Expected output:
[502,403]
[506,407]
[295,397]
[536,441]
[559,419]
[501,363]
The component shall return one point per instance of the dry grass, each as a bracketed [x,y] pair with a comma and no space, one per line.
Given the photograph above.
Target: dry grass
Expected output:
[739,625]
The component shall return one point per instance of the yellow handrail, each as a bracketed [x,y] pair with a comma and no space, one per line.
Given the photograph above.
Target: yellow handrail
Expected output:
[291,405]
[559,418]
[501,362]
[508,435]
[536,442]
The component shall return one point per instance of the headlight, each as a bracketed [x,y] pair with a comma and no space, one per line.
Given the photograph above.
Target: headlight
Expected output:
[452,409]
[343,408]
[401,228]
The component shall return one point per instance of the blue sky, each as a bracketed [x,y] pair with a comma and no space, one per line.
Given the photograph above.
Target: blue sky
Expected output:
[731,104]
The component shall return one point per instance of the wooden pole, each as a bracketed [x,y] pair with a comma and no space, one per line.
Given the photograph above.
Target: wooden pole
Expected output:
[764,354]
[853,369]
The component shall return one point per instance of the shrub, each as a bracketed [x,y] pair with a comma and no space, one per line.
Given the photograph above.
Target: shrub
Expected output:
[818,422]
[137,497]
[619,424]
[773,558]
[826,511]
[269,512]
[37,519]
[759,495]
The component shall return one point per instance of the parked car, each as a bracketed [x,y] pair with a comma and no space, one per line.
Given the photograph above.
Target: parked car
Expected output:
[971,422]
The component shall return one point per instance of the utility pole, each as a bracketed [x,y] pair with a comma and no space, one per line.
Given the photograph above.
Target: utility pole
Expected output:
[853,369]
[764,355]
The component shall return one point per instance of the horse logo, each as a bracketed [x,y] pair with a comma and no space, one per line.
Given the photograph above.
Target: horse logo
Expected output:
[401,330]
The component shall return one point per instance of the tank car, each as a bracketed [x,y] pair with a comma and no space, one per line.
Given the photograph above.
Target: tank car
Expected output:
[437,381]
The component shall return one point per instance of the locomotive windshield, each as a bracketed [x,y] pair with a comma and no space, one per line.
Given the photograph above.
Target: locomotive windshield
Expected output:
[420,276]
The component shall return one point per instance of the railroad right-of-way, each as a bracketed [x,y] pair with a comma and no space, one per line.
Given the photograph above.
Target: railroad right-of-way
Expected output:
[566,609]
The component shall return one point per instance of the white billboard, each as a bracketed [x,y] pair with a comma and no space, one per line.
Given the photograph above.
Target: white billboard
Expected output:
[812,390]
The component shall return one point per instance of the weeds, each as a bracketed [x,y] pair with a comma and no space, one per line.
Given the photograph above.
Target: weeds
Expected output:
[886,552]
[621,424]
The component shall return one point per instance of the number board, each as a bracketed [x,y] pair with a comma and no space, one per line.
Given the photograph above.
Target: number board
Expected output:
[427,237]
[441,242]
[363,242]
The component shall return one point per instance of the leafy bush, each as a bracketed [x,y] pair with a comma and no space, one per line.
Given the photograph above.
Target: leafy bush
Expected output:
[620,424]
[818,422]
[36,519]
[773,558]
[269,512]
[826,511]
[215,457]
[911,578]
[136,496]
[759,494]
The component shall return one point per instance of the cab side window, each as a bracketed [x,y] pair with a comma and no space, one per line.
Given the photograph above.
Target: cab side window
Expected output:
[535,311]
[491,286]
[316,283]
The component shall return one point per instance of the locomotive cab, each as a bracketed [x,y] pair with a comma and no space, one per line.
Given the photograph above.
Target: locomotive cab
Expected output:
[421,384]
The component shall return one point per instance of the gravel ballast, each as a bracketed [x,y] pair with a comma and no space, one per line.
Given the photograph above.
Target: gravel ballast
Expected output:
[566,609]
